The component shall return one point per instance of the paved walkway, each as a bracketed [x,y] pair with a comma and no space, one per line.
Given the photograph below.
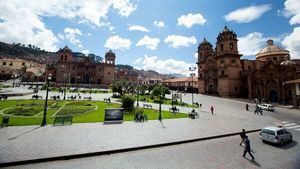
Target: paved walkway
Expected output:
[33,142]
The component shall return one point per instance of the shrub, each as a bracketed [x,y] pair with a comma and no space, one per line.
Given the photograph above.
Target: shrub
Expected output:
[127,103]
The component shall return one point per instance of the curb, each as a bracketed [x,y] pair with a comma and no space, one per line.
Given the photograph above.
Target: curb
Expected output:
[74,156]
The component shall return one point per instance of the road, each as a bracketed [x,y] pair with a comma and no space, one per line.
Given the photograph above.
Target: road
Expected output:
[220,153]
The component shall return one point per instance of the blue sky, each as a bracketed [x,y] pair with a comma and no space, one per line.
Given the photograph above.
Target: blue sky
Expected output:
[127,27]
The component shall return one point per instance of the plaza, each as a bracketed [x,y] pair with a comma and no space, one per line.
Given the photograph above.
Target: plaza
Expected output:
[34,143]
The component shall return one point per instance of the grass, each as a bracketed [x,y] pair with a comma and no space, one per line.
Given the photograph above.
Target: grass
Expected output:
[78,109]
[148,98]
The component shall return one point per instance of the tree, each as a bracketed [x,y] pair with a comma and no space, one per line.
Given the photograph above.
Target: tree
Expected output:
[160,90]
[127,103]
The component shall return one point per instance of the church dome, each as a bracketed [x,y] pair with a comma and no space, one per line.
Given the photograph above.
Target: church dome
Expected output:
[271,50]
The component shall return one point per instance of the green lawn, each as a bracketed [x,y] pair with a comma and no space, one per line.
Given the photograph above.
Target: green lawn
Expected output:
[79,111]
[147,98]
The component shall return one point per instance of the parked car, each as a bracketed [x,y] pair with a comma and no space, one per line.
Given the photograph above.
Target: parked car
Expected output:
[268,107]
[275,135]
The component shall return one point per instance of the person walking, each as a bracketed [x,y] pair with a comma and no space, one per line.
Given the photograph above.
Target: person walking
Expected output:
[247,106]
[212,110]
[247,148]
[243,135]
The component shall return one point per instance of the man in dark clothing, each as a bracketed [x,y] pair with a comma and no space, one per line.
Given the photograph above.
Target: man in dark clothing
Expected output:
[243,135]
[247,107]
[247,148]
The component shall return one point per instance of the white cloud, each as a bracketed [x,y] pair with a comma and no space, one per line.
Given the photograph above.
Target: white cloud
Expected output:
[71,36]
[22,21]
[177,41]
[86,51]
[250,44]
[111,28]
[138,28]
[159,24]
[292,8]
[148,42]
[247,14]
[190,19]
[292,43]
[196,55]
[116,42]
[164,66]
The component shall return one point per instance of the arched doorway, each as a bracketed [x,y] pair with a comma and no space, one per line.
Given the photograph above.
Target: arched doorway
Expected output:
[99,81]
[273,96]
[211,89]
[72,80]
[86,79]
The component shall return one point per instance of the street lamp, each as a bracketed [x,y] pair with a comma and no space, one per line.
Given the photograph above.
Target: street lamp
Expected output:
[44,122]
[137,92]
[160,93]
[192,69]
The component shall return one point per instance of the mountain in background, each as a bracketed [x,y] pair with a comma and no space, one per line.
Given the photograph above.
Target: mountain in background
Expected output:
[36,54]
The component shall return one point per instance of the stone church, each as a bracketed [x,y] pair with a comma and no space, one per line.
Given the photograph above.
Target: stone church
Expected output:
[222,72]
[83,70]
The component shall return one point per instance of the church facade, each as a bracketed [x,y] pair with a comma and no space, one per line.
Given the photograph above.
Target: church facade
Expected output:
[82,71]
[222,72]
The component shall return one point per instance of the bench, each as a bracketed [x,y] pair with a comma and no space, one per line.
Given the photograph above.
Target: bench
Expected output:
[5,121]
[147,106]
[87,98]
[140,118]
[36,97]
[55,97]
[72,97]
[63,120]
[106,100]
[174,110]
[193,115]
[3,97]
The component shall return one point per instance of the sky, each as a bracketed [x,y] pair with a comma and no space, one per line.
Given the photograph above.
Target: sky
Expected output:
[159,35]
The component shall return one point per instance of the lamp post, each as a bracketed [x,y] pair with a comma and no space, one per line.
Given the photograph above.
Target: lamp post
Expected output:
[44,122]
[160,93]
[192,69]
[137,92]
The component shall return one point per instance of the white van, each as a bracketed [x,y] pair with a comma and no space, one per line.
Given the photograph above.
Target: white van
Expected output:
[275,135]
[267,107]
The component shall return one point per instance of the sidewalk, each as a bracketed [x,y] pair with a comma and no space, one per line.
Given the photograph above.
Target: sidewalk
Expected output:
[35,142]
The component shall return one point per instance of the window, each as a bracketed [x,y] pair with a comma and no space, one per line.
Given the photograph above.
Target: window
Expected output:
[222,47]
[222,73]
[274,58]
[108,73]
[61,57]
[231,46]
[222,61]
[271,132]
[200,54]
[233,61]
[235,88]
[249,68]
[73,67]
[66,57]
[100,69]
[87,68]
[23,63]
[10,64]
[62,71]
[4,63]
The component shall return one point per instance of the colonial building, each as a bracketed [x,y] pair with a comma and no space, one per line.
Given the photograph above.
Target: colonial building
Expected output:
[222,72]
[83,70]
[30,71]
[127,75]
[187,84]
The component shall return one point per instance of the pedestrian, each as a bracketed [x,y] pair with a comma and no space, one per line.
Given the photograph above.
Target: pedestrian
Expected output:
[243,134]
[247,107]
[247,148]
[212,109]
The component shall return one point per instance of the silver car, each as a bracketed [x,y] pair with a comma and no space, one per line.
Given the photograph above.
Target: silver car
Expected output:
[267,107]
[275,135]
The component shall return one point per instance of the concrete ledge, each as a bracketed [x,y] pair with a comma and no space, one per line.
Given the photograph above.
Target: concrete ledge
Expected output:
[68,157]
